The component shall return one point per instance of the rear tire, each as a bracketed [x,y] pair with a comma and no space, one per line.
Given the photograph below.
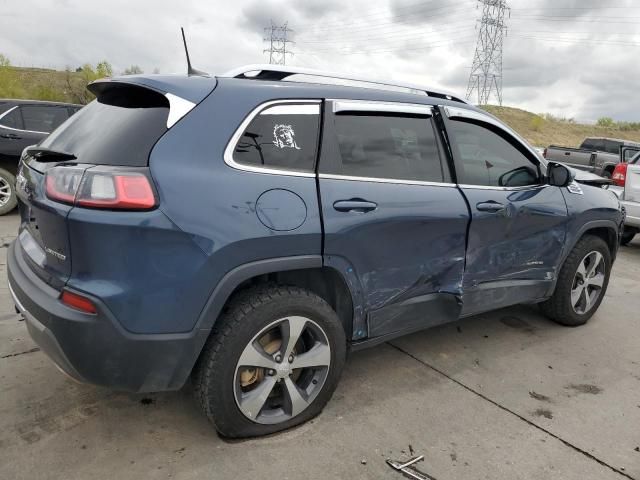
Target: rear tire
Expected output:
[627,236]
[578,293]
[8,197]
[263,319]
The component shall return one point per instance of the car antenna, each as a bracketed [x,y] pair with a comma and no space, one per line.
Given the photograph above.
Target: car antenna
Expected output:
[190,69]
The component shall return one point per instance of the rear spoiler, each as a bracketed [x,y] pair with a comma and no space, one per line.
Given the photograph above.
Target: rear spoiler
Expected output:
[183,93]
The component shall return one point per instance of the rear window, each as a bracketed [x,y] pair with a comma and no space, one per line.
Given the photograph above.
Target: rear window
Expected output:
[283,136]
[120,127]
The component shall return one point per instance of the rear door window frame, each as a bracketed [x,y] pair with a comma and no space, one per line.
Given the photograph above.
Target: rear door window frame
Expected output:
[327,167]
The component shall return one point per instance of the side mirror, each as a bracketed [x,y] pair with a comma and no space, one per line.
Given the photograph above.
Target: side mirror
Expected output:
[559,175]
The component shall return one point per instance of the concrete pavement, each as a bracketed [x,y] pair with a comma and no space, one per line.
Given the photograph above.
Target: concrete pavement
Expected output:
[506,395]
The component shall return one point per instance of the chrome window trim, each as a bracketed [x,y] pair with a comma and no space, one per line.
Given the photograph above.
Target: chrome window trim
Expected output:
[502,189]
[17,129]
[462,113]
[231,146]
[381,107]
[331,176]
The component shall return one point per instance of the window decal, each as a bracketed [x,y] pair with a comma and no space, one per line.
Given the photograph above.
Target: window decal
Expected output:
[284,137]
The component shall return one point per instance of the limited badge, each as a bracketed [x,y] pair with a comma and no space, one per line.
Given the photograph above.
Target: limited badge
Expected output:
[284,137]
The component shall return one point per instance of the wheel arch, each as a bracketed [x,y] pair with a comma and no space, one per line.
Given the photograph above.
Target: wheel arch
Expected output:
[607,230]
[305,271]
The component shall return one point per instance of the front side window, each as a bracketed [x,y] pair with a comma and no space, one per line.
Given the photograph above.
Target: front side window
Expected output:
[399,147]
[486,158]
[12,119]
[41,118]
[283,136]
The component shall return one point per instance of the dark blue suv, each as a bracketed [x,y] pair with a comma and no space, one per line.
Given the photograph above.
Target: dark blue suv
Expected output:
[247,230]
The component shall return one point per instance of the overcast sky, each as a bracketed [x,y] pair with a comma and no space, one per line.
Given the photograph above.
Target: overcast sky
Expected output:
[575,58]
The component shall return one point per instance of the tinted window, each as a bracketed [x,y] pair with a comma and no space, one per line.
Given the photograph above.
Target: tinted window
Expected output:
[43,118]
[384,146]
[594,144]
[629,154]
[12,119]
[282,136]
[613,147]
[120,127]
[486,158]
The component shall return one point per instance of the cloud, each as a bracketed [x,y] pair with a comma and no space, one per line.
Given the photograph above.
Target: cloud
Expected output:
[572,58]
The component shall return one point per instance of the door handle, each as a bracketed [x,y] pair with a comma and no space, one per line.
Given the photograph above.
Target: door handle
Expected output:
[490,206]
[11,136]
[355,205]
[567,153]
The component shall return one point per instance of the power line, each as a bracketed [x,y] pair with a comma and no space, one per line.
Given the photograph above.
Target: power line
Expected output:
[277,41]
[486,71]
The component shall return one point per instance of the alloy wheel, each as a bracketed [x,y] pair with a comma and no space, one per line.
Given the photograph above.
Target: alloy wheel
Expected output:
[282,370]
[588,282]
[5,191]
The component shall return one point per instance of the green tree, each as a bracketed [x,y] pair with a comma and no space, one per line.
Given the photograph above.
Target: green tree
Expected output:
[132,70]
[606,122]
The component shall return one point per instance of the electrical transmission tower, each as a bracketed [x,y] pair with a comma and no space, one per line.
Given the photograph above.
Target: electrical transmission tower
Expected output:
[486,71]
[276,38]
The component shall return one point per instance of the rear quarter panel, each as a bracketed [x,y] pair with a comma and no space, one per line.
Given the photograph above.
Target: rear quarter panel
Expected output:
[214,203]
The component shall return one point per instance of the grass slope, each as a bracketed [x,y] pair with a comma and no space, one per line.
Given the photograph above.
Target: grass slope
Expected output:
[544,131]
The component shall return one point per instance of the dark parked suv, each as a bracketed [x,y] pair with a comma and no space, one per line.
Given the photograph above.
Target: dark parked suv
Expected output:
[24,123]
[247,231]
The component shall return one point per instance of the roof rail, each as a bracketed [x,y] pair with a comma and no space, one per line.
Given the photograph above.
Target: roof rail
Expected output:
[280,72]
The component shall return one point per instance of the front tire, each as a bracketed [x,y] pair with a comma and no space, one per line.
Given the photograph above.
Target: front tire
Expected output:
[272,362]
[8,197]
[627,236]
[582,283]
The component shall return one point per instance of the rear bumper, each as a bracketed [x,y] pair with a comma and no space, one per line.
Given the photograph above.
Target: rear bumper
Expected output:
[95,348]
[633,213]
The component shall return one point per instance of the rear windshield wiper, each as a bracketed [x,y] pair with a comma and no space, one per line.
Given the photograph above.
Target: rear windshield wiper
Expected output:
[43,154]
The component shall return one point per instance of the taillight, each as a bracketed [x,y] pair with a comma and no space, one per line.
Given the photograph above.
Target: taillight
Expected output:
[619,175]
[101,187]
[78,302]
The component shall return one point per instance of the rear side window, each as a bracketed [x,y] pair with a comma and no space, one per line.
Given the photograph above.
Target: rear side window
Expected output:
[120,127]
[613,147]
[398,147]
[43,118]
[283,136]
[13,119]
[594,144]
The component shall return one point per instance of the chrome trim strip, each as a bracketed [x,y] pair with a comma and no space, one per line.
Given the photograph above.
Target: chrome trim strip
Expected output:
[457,112]
[15,299]
[228,152]
[371,106]
[330,176]
[501,189]
[241,71]
[17,129]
